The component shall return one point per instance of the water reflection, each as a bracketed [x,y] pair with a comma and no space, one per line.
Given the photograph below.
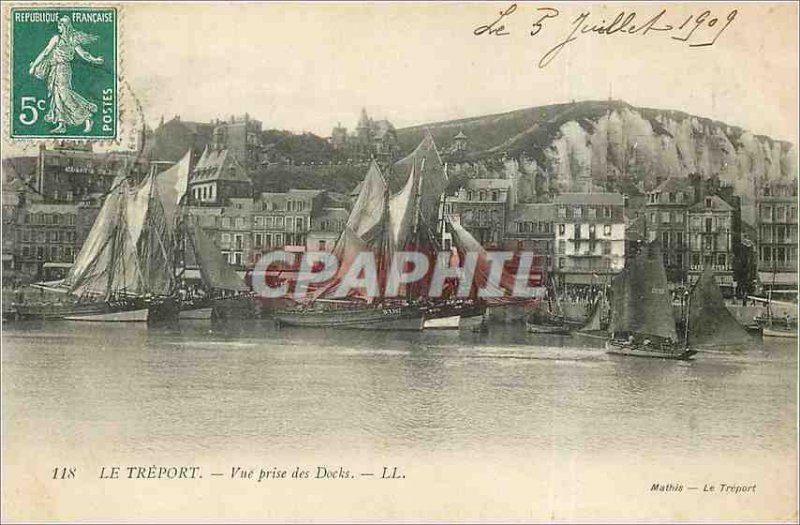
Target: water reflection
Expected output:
[248,384]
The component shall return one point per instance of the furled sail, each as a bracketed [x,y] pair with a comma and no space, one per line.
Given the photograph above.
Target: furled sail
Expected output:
[172,184]
[401,212]
[366,217]
[425,163]
[641,300]
[106,262]
[502,291]
[710,322]
[129,250]
[214,269]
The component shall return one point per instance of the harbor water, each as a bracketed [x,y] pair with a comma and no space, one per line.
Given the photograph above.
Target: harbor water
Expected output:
[507,424]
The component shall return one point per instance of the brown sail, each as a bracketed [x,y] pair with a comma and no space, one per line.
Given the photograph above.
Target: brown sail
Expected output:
[710,322]
[641,300]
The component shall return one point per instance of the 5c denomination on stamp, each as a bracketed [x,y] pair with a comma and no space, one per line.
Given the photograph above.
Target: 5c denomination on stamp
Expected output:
[64,72]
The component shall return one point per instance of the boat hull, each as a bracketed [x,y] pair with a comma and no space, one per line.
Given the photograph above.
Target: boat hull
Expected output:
[443,323]
[196,314]
[140,315]
[380,319]
[784,333]
[635,350]
[534,328]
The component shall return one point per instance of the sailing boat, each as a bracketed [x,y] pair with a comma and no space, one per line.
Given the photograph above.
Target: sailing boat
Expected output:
[124,268]
[384,223]
[552,319]
[641,321]
[709,320]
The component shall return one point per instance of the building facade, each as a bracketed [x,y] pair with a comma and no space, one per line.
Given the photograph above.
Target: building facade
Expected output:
[530,229]
[589,237]
[482,206]
[217,177]
[666,216]
[710,234]
[776,227]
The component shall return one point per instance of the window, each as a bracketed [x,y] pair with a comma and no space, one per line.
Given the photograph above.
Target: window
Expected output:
[766,253]
[494,196]
[561,262]
[238,241]
[679,258]
[577,212]
[322,245]
[708,202]
[239,223]
[592,213]
[721,260]
[607,230]
[299,224]
[258,221]
[652,218]
[278,239]
[259,239]
[268,222]
[664,217]
[226,222]
[671,197]
[562,245]
[709,223]
[577,231]
[606,212]
[679,239]
[606,247]
[680,196]
[279,222]
[226,239]
[53,253]
[237,258]
[591,230]
[562,212]
[52,236]
[470,195]
[665,241]
[482,195]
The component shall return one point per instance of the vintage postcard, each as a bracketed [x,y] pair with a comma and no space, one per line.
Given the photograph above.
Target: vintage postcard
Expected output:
[399,262]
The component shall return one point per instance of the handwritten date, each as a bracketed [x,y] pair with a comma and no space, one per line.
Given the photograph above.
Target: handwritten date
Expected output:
[697,30]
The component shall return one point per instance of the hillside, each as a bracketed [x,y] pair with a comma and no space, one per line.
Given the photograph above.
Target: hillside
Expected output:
[607,145]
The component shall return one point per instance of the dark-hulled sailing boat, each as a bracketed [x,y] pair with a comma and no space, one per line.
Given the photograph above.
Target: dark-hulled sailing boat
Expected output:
[641,321]
[709,322]
[382,222]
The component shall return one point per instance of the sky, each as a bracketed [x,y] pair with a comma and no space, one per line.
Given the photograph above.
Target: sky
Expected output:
[308,66]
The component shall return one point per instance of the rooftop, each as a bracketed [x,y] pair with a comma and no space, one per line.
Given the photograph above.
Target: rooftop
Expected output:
[717,204]
[590,199]
[544,212]
[488,184]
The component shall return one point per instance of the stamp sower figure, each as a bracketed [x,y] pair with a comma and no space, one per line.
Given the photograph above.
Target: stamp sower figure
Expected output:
[65,106]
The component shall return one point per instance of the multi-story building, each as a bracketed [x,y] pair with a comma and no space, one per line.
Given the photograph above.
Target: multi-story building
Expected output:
[326,228]
[666,215]
[482,206]
[372,138]
[589,237]
[72,172]
[241,136]
[710,235]
[530,228]
[217,177]
[284,219]
[776,225]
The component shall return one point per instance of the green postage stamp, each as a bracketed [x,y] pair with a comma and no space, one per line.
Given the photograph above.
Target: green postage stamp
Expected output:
[64,73]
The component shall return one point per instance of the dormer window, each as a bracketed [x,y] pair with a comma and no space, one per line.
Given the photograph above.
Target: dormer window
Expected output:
[708,202]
